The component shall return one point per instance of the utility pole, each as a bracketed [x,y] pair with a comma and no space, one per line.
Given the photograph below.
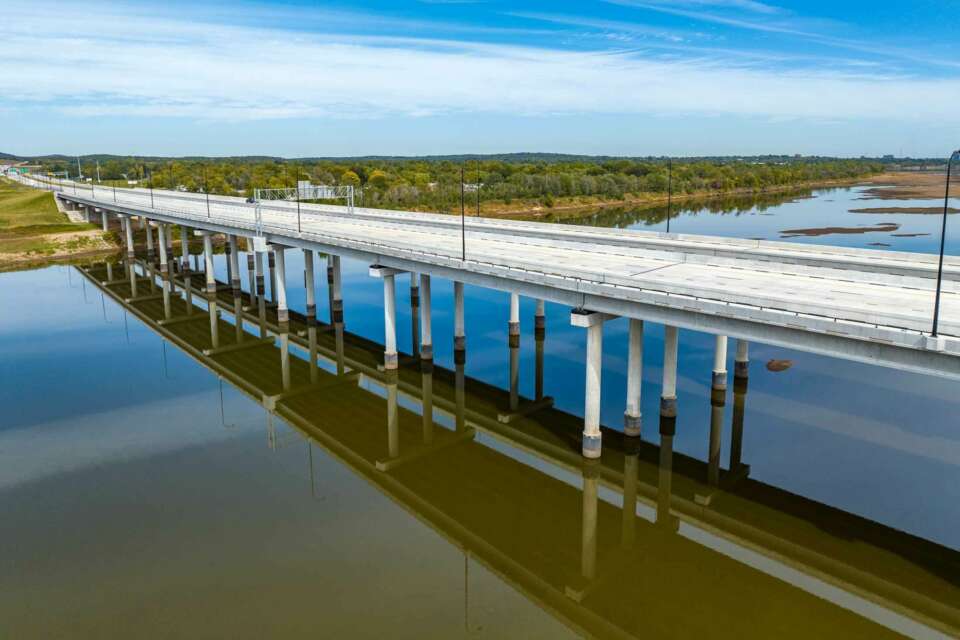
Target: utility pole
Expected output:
[943,237]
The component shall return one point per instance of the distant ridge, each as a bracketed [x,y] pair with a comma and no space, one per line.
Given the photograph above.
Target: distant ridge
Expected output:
[516,157]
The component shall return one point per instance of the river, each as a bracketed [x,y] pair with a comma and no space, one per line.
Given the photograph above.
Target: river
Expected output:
[146,494]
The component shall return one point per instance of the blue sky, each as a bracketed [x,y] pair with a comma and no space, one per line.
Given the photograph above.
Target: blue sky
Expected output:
[619,77]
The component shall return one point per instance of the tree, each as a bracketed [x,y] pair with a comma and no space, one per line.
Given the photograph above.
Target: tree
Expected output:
[377,179]
[350,178]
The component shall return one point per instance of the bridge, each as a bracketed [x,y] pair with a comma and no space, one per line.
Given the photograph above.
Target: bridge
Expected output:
[637,541]
[864,305]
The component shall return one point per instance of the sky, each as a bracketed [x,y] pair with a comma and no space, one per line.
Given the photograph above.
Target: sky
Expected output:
[419,77]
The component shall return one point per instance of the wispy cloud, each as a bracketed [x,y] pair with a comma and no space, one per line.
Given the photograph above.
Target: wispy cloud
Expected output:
[124,64]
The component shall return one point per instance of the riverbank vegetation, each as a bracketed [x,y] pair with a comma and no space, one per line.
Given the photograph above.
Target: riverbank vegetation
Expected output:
[501,185]
[32,229]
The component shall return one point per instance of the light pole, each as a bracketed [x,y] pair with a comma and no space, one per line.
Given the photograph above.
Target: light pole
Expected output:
[943,238]
[463,223]
[478,187]
[299,230]
[151,189]
[669,191]
[206,192]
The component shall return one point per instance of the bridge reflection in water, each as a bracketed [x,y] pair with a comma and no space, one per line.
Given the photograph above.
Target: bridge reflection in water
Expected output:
[640,541]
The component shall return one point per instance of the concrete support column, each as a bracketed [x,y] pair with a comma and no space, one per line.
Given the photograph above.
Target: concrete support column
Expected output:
[588,529]
[208,263]
[261,294]
[539,334]
[591,410]
[330,286]
[741,366]
[593,323]
[337,306]
[184,249]
[632,417]
[514,325]
[426,324]
[251,273]
[459,325]
[719,382]
[716,434]
[668,395]
[414,312]
[149,240]
[169,241]
[105,219]
[162,242]
[272,265]
[390,360]
[736,436]
[310,285]
[283,315]
[128,231]
[143,223]
[234,262]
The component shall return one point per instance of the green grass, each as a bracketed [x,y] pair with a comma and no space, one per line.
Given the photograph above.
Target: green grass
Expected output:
[28,220]
[24,207]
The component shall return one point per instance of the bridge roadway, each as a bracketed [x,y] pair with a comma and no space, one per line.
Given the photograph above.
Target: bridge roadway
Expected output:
[873,306]
[695,528]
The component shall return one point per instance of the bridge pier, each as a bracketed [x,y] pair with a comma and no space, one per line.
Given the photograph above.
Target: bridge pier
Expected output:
[539,335]
[736,435]
[261,300]
[390,359]
[717,403]
[251,278]
[104,219]
[310,286]
[459,326]
[184,249]
[280,291]
[272,266]
[143,223]
[719,381]
[426,322]
[414,313]
[632,417]
[168,236]
[513,329]
[162,242]
[741,365]
[336,308]
[668,394]
[593,323]
[208,262]
[149,232]
[128,231]
[234,247]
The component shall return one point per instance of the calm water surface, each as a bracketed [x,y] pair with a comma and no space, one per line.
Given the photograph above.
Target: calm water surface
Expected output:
[147,492]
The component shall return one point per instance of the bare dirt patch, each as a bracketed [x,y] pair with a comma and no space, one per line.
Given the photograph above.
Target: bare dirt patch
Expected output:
[910,185]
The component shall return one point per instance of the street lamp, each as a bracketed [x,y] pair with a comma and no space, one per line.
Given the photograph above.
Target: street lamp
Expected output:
[669,191]
[463,224]
[943,237]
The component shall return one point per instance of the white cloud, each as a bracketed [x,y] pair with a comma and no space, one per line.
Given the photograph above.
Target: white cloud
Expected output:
[89,64]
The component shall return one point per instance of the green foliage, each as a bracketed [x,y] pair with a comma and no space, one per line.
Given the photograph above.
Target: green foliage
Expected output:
[434,183]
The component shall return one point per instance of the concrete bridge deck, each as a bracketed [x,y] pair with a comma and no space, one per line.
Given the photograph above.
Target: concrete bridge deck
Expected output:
[873,306]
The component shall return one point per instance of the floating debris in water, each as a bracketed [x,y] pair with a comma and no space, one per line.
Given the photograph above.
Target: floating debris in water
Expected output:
[779,365]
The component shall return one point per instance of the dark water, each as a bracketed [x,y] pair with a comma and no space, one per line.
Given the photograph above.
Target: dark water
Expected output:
[147,492]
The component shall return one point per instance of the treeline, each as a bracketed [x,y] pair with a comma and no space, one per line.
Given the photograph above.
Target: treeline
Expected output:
[436,184]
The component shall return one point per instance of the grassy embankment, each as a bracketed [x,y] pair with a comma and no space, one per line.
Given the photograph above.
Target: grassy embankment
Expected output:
[33,231]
